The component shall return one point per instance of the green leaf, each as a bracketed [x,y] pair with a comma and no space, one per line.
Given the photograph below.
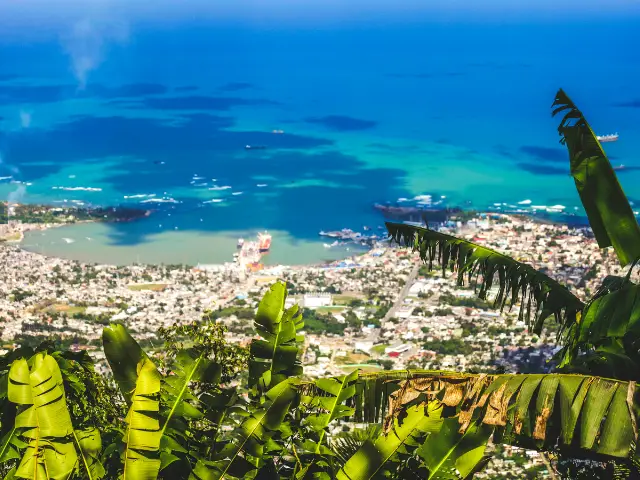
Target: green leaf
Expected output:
[516,281]
[275,357]
[89,444]
[43,419]
[373,457]
[594,415]
[143,433]
[451,454]
[254,432]
[124,355]
[610,215]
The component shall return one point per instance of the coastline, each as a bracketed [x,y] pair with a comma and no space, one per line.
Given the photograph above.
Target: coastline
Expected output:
[344,255]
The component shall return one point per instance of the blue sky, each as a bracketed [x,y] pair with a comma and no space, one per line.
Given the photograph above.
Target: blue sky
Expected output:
[23,13]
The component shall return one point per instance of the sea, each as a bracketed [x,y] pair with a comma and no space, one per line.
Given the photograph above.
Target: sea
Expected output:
[349,114]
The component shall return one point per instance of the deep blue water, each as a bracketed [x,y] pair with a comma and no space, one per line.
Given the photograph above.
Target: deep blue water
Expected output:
[363,110]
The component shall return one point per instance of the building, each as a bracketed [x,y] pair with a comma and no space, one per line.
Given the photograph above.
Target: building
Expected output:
[315,300]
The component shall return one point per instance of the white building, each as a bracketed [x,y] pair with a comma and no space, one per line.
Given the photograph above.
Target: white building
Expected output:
[315,300]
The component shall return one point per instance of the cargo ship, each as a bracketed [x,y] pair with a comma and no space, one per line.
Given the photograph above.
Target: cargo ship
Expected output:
[607,138]
[264,242]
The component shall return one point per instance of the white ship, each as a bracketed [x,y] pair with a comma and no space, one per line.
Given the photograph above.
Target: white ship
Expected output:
[613,137]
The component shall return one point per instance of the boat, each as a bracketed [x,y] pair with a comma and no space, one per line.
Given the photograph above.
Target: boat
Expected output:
[240,242]
[264,242]
[619,167]
[255,147]
[613,137]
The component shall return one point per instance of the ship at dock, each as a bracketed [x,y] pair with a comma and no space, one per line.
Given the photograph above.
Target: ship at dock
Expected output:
[613,137]
[264,242]
[250,253]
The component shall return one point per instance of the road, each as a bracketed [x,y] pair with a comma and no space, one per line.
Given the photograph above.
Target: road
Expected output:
[400,300]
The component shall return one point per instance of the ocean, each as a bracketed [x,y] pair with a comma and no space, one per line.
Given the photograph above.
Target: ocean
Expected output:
[369,113]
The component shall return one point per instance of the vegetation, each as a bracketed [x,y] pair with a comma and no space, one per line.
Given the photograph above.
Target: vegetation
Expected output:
[208,410]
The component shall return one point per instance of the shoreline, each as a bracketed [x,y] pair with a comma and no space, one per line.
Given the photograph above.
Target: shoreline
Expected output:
[313,264]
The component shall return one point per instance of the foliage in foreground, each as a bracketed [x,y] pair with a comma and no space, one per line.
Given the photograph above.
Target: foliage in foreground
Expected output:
[185,421]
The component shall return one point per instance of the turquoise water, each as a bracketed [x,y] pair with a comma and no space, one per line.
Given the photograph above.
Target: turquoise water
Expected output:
[370,114]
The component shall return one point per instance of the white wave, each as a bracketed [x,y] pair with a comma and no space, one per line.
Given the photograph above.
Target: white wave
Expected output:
[203,184]
[216,187]
[423,198]
[402,199]
[140,195]
[196,177]
[6,178]
[160,200]
[558,207]
[74,189]
[261,185]
[72,176]
[213,200]
[525,202]
[539,207]
[68,240]
[237,193]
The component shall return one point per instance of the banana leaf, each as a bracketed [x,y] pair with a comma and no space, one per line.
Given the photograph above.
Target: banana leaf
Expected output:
[275,357]
[406,435]
[539,295]
[610,215]
[540,411]
[124,356]
[143,434]
[43,419]
[252,440]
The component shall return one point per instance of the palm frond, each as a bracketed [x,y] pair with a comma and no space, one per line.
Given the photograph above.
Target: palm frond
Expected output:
[539,295]
[610,215]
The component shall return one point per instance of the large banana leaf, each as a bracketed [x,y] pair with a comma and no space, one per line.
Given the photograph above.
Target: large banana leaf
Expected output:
[143,433]
[539,295]
[404,437]
[275,357]
[610,215]
[573,412]
[43,419]
[124,356]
